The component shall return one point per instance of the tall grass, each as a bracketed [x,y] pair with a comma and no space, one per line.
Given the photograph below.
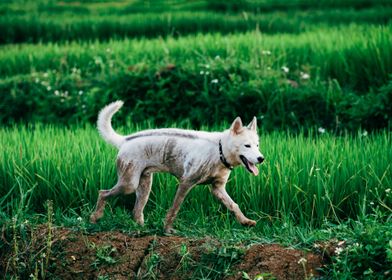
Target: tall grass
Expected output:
[61,28]
[307,179]
[356,56]
[157,6]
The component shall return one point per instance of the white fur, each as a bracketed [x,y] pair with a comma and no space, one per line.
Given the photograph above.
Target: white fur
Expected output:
[192,156]
[105,127]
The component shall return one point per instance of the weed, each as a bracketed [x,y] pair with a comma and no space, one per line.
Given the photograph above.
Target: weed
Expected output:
[216,262]
[261,276]
[105,255]
[151,263]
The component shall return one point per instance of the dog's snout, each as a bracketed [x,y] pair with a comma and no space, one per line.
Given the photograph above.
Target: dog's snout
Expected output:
[260,159]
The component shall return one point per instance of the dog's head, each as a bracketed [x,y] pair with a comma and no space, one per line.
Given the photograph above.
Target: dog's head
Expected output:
[243,145]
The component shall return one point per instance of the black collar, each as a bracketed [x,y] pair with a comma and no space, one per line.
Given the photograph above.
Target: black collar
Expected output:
[222,157]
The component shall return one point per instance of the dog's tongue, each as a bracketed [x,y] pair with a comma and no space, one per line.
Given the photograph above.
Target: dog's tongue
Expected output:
[254,169]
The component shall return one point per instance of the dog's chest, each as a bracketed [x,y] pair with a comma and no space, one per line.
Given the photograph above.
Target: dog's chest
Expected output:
[215,175]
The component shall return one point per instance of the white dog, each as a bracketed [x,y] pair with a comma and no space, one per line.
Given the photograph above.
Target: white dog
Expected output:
[194,157]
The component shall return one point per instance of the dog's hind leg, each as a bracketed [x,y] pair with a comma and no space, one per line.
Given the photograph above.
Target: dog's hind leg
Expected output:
[142,194]
[182,191]
[128,181]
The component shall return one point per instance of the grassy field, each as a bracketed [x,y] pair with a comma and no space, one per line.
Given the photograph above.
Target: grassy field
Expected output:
[310,189]
[343,72]
[75,27]
[306,178]
[316,74]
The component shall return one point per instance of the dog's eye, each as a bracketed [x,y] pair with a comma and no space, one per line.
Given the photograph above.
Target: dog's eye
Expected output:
[248,146]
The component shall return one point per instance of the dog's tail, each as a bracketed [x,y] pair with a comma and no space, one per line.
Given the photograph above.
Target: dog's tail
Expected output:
[104,124]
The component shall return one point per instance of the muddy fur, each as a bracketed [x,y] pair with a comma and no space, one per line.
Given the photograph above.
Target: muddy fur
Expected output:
[192,156]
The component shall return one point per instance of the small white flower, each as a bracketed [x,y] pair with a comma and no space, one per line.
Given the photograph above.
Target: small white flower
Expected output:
[304,76]
[80,92]
[371,203]
[388,190]
[83,106]
[56,92]
[338,250]
[46,74]
[214,81]
[356,244]
[80,219]
[217,57]
[207,66]
[201,72]
[74,70]
[98,60]
[285,69]
[207,73]
[365,133]
[321,130]
[36,80]
[302,261]
[261,117]
[265,52]
[49,88]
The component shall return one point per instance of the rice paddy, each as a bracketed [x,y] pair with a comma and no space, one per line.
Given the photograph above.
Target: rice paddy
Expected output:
[316,74]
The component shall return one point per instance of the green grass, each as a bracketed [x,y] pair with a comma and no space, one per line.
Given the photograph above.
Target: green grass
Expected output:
[357,56]
[74,27]
[314,186]
[162,79]
[308,179]
[138,6]
[311,189]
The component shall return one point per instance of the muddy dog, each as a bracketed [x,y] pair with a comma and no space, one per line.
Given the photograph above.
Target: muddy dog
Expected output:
[194,157]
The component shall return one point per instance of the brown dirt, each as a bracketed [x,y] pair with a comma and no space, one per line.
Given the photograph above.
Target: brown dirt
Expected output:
[76,255]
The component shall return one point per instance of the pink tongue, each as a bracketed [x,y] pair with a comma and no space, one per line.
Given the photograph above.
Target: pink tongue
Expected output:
[254,169]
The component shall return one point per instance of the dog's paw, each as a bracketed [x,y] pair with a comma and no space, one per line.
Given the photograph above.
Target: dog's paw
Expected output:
[140,222]
[93,219]
[248,222]
[170,231]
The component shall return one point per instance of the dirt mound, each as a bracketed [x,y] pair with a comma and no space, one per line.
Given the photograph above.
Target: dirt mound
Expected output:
[114,255]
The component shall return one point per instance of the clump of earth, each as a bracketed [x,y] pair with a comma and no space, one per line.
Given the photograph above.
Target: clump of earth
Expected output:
[115,255]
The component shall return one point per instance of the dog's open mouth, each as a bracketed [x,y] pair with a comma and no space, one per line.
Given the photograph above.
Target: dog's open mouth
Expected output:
[252,168]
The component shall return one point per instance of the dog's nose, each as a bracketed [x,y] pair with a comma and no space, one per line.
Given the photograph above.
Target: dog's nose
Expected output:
[260,159]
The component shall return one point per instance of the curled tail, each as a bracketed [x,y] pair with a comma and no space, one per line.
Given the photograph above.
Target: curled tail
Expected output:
[105,126]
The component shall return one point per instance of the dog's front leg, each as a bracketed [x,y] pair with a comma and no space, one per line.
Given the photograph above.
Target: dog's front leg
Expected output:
[219,191]
[182,191]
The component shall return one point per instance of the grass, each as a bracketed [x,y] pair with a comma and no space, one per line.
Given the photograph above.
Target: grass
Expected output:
[308,179]
[139,6]
[316,185]
[310,189]
[357,56]
[74,27]
[161,79]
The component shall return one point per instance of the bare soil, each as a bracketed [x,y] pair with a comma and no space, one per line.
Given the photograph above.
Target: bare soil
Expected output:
[114,255]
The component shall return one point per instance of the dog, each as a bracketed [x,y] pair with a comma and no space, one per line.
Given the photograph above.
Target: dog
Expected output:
[194,157]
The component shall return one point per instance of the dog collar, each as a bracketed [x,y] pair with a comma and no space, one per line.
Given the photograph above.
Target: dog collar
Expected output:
[222,157]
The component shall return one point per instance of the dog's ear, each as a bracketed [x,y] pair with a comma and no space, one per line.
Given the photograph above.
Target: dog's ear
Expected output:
[253,124]
[236,126]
